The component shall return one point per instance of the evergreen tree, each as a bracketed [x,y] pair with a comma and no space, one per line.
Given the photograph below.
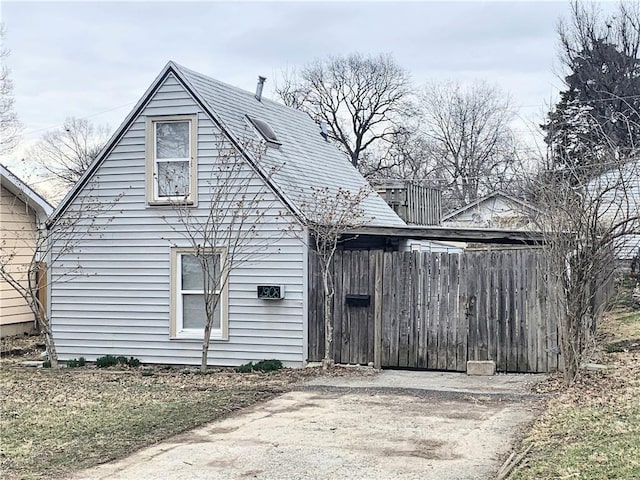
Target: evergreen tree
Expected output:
[600,108]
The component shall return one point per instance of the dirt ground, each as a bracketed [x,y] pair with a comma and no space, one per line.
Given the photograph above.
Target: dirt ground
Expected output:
[374,430]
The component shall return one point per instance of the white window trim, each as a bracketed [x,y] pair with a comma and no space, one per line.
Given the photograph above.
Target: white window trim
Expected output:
[151,163]
[176,330]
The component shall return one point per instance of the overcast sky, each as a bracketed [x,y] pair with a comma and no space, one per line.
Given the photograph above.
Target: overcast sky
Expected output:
[95,59]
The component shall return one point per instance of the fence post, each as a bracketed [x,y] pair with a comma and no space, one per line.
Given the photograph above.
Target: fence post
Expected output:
[377,314]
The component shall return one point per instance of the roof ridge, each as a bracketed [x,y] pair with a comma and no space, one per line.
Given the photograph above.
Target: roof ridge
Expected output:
[270,101]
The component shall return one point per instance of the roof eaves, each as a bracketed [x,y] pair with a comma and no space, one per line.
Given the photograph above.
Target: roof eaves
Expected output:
[478,201]
[175,69]
[14,184]
[82,181]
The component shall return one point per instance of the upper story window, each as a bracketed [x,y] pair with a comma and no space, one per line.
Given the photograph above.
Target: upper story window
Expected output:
[171,159]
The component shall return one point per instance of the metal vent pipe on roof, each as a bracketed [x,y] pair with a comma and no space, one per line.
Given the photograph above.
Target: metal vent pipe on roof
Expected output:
[324,129]
[259,87]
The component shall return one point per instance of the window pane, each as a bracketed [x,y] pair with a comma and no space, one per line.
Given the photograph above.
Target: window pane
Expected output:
[192,275]
[193,312]
[173,179]
[172,139]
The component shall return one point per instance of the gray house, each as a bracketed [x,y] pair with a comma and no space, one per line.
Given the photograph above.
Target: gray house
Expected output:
[132,293]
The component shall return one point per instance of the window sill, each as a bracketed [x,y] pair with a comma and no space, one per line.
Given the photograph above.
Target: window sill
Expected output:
[195,338]
[171,203]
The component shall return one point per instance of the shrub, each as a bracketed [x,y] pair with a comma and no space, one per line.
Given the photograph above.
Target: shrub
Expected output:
[261,366]
[80,362]
[46,364]
[133,362]
[111,361]
[106,361]
[268,365]
[246,368]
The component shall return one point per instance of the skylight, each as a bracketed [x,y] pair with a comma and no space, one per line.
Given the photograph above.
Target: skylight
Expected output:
[265,130]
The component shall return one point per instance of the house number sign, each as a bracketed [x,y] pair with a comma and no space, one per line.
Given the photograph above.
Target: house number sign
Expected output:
[271,292]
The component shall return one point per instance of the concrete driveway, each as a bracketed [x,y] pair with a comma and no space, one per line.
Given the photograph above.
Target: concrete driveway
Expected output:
[396,425]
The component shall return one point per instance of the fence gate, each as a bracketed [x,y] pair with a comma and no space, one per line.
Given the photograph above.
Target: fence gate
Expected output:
[436,310]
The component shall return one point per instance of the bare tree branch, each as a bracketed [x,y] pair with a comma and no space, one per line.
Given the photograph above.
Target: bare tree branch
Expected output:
[226,234]
[10,126]
[48,246]
[67,152]
[362,99]
[329,215]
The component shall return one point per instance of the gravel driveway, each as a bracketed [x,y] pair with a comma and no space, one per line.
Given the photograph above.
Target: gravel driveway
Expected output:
[404,425]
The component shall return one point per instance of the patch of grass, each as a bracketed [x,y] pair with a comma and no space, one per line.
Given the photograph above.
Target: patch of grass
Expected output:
[629,319]
[613,348]
[623,296]
[55,422]
[592,429]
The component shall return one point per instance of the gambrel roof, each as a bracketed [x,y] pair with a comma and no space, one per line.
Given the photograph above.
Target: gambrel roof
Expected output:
[304,160]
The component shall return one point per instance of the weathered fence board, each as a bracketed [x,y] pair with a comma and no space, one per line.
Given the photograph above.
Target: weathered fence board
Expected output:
[437,310]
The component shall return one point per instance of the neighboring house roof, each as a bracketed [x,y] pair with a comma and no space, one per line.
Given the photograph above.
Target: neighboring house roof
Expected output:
[477,203]
[24,192]
[303,161]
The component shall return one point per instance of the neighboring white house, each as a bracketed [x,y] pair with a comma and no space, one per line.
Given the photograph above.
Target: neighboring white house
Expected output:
[22,212]
[496,210]
[620,192]
[136,284]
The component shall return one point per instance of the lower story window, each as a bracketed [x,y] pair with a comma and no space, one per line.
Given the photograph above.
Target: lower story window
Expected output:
[192,276]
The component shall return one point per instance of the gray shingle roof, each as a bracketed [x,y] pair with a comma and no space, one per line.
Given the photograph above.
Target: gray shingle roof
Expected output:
[305,160]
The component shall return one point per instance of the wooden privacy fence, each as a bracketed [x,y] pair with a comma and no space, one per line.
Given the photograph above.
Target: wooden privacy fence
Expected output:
[437,310]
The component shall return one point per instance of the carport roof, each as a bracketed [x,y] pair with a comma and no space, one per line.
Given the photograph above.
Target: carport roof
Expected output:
[454,234]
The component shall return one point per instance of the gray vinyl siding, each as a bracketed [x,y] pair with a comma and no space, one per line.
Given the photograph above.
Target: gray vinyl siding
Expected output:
[621,200]
[120,304]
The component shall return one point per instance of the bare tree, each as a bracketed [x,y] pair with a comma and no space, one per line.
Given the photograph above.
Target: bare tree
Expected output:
[48,245]
[585,222]
[589,185]
[9,124]
[469,147]
[226,233]
[330,214]
[66,153]
[363,100]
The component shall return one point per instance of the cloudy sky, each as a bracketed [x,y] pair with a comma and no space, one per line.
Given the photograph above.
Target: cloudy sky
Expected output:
[95,59]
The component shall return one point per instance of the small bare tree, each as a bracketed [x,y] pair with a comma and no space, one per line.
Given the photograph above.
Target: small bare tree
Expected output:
[48,245]
[66,153]
[363,100]
[468,146]
[585,221]
[9,124]
[330,214]
[224,234]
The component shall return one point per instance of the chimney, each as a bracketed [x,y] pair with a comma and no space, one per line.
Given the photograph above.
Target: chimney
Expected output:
[324,129]
[259,88]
